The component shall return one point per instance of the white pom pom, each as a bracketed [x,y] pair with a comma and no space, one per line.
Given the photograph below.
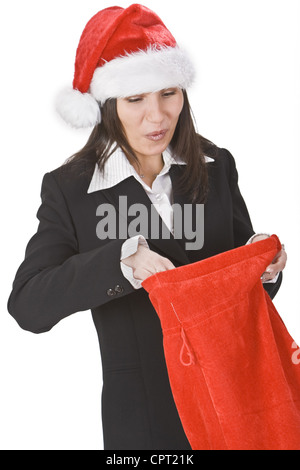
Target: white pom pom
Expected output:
[78,109]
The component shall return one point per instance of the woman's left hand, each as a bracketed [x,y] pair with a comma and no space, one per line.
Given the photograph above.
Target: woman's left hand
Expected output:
[278,263]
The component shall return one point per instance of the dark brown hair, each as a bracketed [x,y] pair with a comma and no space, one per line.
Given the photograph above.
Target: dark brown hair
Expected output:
[186,143]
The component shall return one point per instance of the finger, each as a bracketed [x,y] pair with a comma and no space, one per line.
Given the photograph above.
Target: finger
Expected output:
[160,269]
[160,263]
[268,276]
[142,273]
[168,264]
[278,264]
[273,269]
[153,263]
[280,256]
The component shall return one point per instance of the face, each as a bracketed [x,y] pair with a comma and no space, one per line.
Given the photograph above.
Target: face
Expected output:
[150,120]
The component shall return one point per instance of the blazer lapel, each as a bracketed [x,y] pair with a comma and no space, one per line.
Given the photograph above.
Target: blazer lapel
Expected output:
[129,194]
[191,216]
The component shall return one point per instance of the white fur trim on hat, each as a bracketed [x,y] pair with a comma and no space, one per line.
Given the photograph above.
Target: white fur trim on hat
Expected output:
[142,72]
[78,109]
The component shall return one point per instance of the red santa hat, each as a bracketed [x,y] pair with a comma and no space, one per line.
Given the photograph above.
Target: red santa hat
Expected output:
[122,52]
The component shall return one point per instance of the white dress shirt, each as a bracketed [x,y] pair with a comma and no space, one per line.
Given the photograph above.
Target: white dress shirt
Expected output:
[117,169]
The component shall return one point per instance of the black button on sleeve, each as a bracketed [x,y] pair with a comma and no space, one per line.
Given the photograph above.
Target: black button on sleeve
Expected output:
[119,289]
[110,292]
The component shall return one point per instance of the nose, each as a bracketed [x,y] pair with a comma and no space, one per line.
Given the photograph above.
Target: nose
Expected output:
[155,112]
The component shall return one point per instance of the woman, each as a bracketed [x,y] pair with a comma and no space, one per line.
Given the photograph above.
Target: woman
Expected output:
[99,237]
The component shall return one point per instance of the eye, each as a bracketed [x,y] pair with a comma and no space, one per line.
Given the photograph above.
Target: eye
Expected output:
[170,92]
[134,99]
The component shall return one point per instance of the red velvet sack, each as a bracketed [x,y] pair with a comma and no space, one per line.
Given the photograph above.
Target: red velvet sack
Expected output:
[228,353]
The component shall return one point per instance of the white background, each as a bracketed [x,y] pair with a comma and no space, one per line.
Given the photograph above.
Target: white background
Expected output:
[246,99]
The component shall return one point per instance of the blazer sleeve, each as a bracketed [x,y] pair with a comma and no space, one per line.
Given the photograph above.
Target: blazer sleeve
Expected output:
[55,280]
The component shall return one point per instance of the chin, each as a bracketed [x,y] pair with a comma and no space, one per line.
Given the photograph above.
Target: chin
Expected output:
[159,147]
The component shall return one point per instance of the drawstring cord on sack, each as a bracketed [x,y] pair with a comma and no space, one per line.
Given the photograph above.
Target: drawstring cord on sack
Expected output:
[185,347]
[188,351]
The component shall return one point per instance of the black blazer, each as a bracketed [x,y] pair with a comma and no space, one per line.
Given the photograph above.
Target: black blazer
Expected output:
[67,269]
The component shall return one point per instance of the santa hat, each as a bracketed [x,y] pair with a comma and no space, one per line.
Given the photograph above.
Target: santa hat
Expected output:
[122,52]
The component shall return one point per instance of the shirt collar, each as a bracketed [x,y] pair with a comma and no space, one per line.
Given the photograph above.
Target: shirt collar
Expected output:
[117,169]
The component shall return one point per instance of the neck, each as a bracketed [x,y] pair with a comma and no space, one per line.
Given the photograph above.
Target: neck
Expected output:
[149,167]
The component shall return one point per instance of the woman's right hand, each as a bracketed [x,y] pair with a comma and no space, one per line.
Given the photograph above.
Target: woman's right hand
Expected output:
[146,262]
